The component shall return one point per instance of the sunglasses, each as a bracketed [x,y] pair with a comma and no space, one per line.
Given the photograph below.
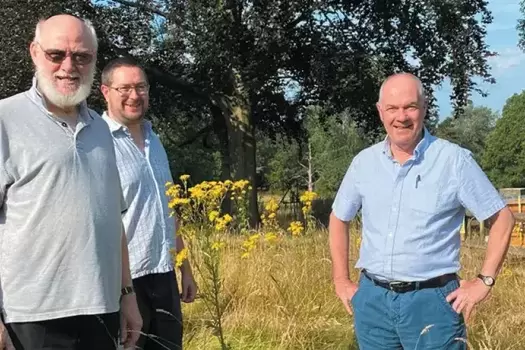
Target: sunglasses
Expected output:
[58,56]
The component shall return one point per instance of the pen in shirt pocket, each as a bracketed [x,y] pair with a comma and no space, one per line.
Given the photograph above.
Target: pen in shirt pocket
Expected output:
[418,178]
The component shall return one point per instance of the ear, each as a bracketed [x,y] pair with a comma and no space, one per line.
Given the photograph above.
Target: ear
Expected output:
[379,110]
[105,91]
[33,50]
[425,107]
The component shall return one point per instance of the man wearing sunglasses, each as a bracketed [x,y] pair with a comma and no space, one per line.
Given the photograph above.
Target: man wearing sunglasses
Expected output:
[64,267]
[144,170]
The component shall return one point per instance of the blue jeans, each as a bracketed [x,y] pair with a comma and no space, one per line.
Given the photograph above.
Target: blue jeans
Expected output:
[416,320]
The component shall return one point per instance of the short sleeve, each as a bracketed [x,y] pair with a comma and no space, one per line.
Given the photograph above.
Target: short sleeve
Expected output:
[3,184]
[347,201]
[5,179]
[123,204]
[476,193]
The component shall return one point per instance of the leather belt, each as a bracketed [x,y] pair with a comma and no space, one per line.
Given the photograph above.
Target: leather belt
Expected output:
[403,287]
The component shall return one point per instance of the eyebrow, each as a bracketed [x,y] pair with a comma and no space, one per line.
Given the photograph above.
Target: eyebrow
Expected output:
[411,104]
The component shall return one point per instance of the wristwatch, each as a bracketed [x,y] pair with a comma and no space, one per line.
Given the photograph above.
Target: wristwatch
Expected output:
[127,290]
[487,280]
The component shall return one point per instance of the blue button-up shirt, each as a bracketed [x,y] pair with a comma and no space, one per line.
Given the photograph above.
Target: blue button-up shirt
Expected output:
[412,213]
[149,228]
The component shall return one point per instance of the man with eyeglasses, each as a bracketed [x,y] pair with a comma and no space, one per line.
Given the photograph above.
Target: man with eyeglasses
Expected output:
[64,268]
[151,230]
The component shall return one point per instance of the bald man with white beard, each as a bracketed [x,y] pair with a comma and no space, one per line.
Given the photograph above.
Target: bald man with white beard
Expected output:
[64,270]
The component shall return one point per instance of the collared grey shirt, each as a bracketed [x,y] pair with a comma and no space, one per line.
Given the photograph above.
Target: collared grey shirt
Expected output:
[60,213]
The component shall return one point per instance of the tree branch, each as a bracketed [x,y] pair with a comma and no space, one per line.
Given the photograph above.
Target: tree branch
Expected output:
[142,6]
[202,131]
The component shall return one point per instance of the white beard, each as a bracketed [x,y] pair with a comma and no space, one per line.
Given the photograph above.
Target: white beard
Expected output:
[60,100]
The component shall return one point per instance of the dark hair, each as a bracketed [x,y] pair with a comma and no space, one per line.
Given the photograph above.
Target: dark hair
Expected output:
[124,61]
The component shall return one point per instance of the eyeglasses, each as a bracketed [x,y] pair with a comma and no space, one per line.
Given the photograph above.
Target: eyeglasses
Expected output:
[141,89]
[58,56]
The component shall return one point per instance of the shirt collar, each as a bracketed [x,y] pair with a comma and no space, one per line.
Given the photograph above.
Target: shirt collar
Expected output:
[418,151]
[37,97]
[115,126]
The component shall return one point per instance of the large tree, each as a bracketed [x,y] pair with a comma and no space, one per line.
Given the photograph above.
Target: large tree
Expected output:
[470,129]
[504,156]
[244,65]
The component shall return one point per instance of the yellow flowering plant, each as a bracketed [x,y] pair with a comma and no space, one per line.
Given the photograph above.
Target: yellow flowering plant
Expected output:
[269,216]
[204,226]
[306,200]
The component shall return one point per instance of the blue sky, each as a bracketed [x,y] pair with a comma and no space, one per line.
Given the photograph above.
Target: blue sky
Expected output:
[508,68]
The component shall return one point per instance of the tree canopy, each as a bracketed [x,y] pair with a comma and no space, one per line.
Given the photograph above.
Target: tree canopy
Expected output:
[470,129]
[504,156]
[222,71]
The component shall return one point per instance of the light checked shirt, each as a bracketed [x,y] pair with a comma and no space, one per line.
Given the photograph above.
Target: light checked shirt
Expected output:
[143,175]
[412,213]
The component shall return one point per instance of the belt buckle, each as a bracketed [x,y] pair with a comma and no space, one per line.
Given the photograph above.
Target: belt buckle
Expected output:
[396,286]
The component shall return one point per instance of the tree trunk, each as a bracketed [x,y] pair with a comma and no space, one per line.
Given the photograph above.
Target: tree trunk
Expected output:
[310,171]
[236,111]
[221,131]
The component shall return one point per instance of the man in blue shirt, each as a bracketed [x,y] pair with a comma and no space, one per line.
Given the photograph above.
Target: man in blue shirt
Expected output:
[413,189]
[150,229]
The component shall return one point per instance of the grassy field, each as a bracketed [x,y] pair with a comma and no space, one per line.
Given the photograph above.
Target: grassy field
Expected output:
[282,298]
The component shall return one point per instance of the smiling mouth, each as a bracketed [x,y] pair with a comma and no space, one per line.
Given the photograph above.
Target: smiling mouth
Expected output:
[68,78]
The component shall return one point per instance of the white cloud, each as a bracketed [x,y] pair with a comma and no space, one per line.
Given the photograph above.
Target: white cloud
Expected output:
[507,59]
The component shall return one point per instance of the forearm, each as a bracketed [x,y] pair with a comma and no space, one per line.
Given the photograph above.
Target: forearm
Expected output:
[179,246]
[498,243]
[338,239]
[126,273]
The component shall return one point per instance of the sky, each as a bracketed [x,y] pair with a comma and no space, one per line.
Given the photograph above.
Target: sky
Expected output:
[508,68]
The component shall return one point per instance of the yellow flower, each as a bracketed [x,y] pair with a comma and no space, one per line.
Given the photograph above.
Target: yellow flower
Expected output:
[270,237]
[181,256]
[295,228]
[308,196]
[272,206]
[240,185]
[222,222]
[184,178]
[213,215]
[177,202]
[218,245]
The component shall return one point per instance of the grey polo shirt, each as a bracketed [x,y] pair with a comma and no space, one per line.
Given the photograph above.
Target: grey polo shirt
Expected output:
[60,213]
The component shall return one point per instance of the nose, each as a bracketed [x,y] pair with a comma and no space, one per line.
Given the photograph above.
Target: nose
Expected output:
[67,65]
[133,94]
[402,115]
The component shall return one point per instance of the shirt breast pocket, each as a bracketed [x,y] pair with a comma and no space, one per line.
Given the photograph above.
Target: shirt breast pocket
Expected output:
[424,201]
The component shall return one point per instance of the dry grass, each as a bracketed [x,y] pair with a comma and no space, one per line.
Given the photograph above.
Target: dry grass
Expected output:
[282,298]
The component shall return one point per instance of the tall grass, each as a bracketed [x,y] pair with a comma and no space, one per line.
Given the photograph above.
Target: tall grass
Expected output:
[282,298]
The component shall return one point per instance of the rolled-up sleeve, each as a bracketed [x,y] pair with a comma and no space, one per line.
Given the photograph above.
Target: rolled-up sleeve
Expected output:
[347,201]
[476,193]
